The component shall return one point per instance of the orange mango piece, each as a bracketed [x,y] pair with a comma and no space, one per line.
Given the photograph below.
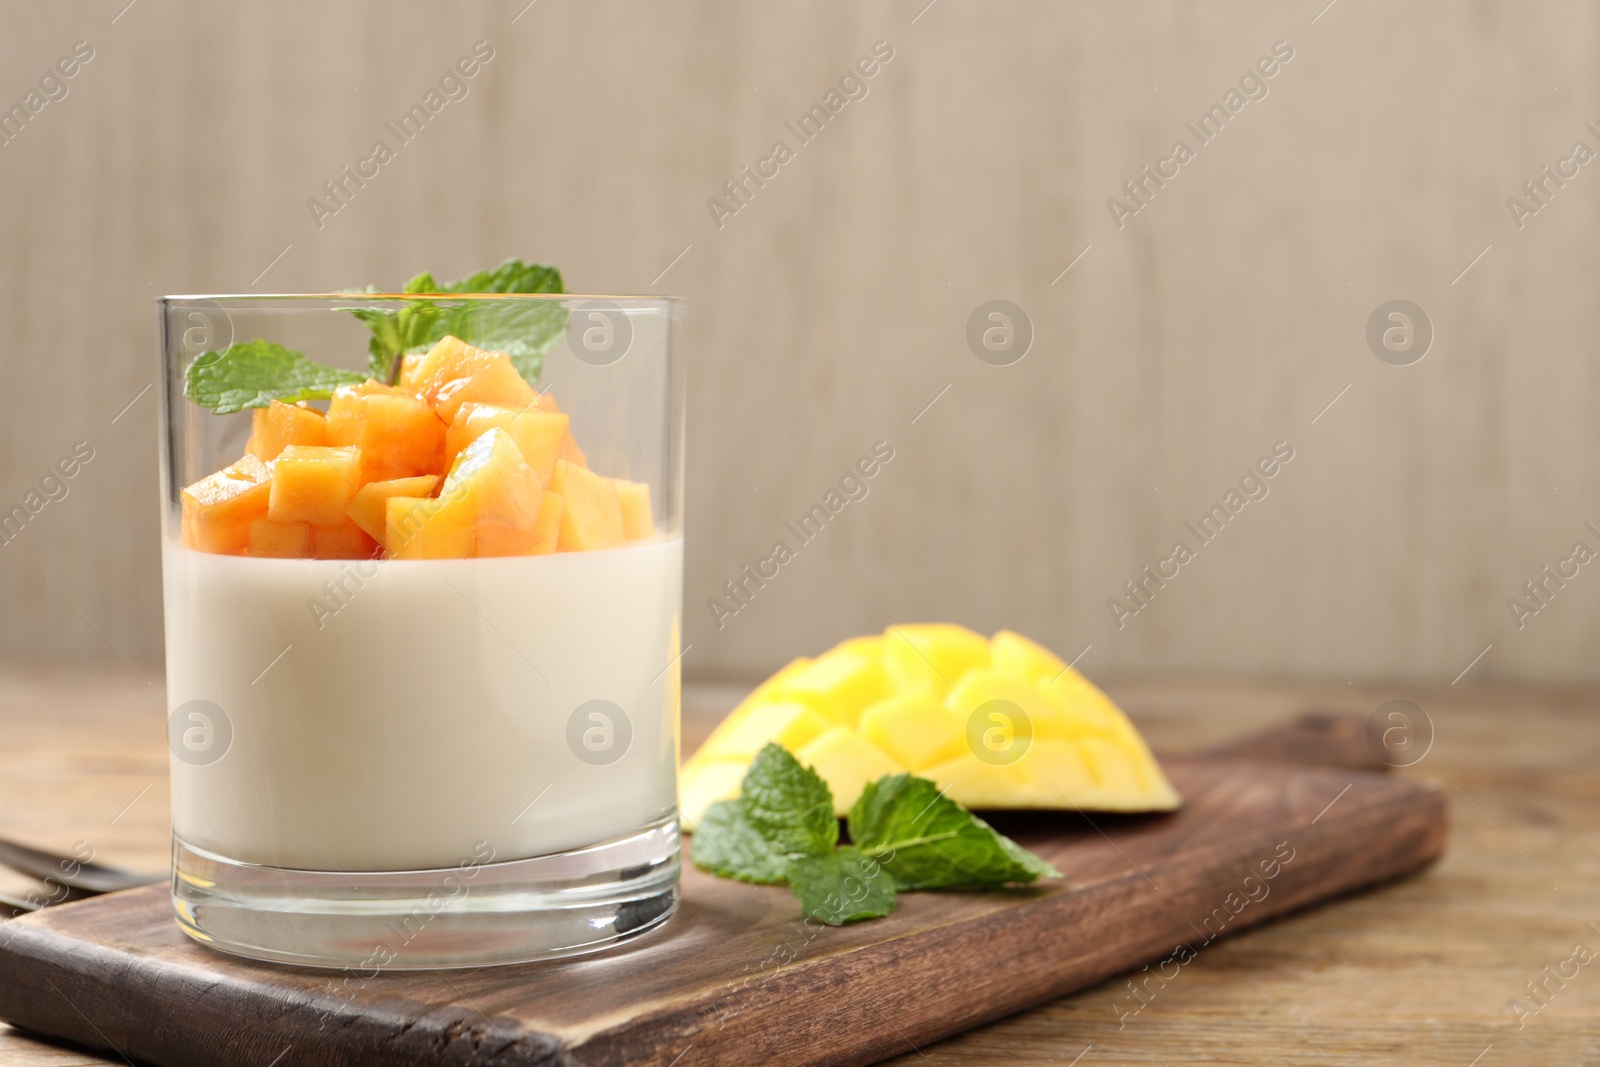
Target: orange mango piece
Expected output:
[279,425]
[219,508]
[638,521]
[343,540]
[281,540]
[591,516]
[313,483]
[398,435]
[537,434]
[420,528]
[454,373]
[408,370]
[367,508]
[547,527]
[497,540]
[493,483]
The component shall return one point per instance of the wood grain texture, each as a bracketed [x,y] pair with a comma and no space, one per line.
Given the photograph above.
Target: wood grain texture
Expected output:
[1316,738]
[828,313]
[735,976]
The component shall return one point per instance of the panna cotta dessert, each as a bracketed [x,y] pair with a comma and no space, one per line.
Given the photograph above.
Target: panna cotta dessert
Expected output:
[395,715]
[421,656]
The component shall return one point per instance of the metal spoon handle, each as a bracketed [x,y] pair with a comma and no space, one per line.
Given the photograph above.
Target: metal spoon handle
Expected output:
[70,872]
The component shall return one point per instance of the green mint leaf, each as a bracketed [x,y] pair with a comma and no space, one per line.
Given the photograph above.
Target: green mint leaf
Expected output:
[789,804]
[422,283]
[523,330]
[841,886]
[385,344]
[925,840]
[254,373]
[512,276]
[726,845]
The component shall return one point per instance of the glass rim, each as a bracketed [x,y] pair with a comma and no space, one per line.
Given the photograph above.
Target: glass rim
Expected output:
[184,298]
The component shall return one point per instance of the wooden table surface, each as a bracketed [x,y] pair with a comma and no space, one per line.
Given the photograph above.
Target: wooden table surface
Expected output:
[1415,973]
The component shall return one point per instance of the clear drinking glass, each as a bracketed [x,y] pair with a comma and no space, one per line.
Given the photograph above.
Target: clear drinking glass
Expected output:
[406,763]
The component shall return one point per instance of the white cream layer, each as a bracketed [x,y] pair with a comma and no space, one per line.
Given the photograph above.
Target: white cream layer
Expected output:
[391,715]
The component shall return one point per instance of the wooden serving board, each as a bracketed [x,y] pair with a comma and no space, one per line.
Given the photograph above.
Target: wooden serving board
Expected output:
[736,977]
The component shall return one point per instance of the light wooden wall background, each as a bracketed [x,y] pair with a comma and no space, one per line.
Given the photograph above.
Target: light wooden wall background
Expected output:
[828,313]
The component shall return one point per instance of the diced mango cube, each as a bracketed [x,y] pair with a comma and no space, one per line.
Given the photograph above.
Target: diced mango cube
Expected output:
[591,516]
[1053,774]
[787,724]
[932,656]
[219,508]
[428,529]
[280,540]
[279,425]
[915,729]
[493,483]
[847,763]
[1087,709]
[1039,716]
[313,483]
[495,539]
[974,783]
[840,685]
[344,540]
[1110,766]
[366,508]
[454,373]
[547,527]
[1011,653]
[408,370]
[399,436]
[638,521]
[537,434]
[1093,774]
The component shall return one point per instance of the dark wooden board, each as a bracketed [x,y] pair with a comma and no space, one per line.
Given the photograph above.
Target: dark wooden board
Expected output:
[735,977]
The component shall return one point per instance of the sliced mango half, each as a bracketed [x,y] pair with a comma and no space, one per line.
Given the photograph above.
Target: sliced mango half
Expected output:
[998,723]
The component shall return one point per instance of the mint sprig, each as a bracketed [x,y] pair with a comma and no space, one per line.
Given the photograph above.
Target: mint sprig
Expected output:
[928,841]
[905,835]
[523,330]
[251,374]
[254,373]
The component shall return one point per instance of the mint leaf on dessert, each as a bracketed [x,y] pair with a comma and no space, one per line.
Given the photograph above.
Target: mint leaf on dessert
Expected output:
[789,804]
[925,840]
[512,276]
[254,373]
[386,344]
[524,330]
[726,845]
[841,886]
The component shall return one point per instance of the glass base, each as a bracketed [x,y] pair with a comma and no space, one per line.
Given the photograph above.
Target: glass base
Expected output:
[477,913]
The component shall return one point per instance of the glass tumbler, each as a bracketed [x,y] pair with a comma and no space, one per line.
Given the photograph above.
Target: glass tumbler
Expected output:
[423,629]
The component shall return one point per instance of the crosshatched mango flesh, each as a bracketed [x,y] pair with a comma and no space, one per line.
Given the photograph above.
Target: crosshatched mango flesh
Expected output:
[996,723]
